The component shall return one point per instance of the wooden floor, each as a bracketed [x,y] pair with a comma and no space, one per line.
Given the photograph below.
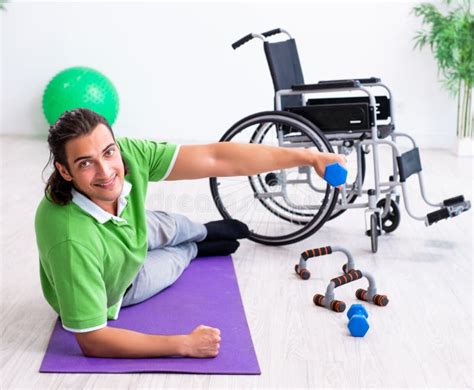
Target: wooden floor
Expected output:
[423,338]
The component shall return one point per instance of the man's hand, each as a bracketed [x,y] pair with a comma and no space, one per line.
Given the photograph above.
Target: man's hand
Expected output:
[321,160]
[202,342]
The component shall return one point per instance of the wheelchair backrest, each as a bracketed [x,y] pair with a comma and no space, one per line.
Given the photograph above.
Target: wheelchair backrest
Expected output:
[285,68]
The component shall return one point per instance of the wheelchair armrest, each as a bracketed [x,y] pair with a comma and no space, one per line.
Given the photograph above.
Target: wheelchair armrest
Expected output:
[370,80]
[337,84]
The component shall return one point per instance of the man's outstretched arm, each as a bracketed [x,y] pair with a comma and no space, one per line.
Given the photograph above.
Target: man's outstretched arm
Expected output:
[235,159]
[203,341]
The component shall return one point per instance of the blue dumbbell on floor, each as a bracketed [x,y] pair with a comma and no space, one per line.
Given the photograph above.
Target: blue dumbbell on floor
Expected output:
[335,174]
[358,324]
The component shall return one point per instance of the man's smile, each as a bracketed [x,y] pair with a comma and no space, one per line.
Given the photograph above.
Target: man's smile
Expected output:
[108,184]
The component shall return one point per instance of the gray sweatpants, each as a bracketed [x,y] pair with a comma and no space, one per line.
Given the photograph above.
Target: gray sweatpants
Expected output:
[171,247]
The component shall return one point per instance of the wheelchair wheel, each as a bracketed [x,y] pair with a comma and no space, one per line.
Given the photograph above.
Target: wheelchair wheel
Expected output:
[280,207]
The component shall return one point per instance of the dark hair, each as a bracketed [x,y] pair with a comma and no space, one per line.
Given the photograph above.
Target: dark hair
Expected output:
[70,125]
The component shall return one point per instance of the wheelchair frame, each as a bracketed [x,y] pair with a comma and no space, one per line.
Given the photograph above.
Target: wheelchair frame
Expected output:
[403,164]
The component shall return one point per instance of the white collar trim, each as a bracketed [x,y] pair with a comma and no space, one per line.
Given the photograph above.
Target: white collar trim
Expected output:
[99,213]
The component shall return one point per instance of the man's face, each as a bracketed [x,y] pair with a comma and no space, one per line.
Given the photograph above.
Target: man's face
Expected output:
[95,167]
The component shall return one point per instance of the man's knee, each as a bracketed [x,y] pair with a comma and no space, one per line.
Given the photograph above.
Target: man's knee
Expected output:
[162,229]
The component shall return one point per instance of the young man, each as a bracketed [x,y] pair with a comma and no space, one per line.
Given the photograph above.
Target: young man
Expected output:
[101,250]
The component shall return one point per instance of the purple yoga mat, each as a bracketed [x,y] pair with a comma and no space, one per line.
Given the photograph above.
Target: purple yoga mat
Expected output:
[206,293]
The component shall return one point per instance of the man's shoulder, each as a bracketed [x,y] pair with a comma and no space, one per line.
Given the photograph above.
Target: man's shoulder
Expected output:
[47,209]
[133,150]
[55,223]
[129,144]
[50,209]
[123,141]
[141,147]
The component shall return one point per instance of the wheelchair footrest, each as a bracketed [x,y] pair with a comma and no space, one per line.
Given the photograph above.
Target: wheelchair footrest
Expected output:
[454,200]
[452,209]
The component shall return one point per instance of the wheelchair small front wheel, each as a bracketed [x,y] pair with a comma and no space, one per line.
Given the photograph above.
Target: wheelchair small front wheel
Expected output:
[283,206]
[391,221]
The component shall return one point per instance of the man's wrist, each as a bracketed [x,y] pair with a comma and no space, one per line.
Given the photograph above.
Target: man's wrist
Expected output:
[183,344]
[312,157]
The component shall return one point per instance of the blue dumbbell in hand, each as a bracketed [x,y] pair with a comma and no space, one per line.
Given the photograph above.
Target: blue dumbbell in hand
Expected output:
[335,174]
[358,324]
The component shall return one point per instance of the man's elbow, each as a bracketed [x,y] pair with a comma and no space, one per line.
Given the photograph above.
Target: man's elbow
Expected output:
[89,351]
[89,343]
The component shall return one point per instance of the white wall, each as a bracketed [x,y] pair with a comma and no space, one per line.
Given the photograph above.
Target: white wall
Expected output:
[179,79]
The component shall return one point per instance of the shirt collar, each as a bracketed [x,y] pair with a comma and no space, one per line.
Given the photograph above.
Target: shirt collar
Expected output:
[97,212]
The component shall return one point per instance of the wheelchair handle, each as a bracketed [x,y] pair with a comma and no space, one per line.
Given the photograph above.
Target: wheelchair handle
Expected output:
[262,36]
[247,38]
[276,31]
[241,41]
[272,32]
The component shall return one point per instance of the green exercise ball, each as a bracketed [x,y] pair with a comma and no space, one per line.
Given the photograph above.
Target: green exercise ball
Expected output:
[80,87]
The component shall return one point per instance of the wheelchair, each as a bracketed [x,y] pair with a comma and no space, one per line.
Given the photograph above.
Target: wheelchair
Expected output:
[353,117]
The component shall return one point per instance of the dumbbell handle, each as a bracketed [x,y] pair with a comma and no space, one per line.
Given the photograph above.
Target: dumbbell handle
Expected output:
[350,276]
[325,250]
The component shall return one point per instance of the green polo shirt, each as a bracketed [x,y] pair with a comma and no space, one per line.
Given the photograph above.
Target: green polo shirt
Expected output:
[89,257]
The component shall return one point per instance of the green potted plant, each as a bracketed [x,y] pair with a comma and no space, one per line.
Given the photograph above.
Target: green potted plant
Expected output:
[450,36]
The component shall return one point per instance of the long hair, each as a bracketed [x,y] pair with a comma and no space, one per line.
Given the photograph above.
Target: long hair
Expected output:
[70,125]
